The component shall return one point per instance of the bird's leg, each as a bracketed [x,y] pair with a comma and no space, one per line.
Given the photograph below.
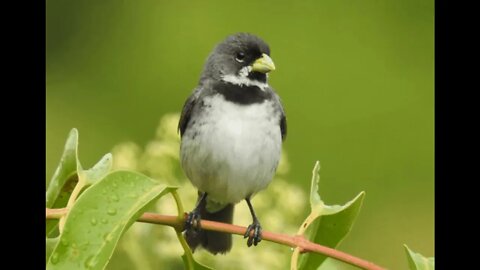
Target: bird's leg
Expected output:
[193,218]
[256,237]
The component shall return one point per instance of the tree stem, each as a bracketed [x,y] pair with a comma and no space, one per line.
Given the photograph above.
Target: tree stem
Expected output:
[296,241]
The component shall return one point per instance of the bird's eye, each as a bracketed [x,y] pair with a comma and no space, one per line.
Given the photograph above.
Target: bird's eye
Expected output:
[240,57]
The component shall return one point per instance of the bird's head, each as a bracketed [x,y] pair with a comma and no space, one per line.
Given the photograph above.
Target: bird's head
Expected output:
[240,58]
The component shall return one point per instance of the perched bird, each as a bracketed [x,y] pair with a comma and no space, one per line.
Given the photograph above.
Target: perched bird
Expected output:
[232,127]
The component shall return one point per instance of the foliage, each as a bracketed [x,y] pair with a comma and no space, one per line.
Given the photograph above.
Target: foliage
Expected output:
[417,261]
[356,79]
[63,181]
[326,224]
[100,215]
[104,201]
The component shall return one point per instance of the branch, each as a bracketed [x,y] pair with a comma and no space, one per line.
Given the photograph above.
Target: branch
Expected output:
[297,241]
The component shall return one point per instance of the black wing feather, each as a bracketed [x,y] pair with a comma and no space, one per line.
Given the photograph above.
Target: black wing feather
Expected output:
[187,112]
[283,117]
[283,126]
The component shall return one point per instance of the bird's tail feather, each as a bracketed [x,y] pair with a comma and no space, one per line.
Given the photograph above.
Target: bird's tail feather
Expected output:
[214,242]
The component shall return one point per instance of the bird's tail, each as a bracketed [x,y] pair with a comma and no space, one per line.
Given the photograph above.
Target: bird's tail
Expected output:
[214,242]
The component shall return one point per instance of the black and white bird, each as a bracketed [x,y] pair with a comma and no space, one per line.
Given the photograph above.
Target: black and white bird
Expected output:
[232,128]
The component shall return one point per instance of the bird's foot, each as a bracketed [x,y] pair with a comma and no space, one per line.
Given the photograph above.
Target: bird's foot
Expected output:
[192,222]
[255,237]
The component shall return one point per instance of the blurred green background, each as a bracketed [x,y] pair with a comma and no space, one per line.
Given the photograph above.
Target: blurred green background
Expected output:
[356,79]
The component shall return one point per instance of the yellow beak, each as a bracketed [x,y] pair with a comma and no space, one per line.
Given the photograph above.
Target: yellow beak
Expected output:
[263,64]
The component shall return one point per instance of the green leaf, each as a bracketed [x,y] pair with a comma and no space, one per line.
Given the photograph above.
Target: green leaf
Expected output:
[50,245]
[100,216]
[85,179]
[98,171]
[63,181]
[327,224]
[68,175]
[418,262]
[191,264]
[65,170]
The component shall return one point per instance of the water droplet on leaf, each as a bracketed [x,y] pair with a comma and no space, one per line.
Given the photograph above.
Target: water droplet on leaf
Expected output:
[133,195]
[107,237]
[54,258]
[90,262]
[64,242]
[112,211]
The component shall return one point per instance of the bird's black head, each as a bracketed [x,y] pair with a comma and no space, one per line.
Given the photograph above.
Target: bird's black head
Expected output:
[241,57]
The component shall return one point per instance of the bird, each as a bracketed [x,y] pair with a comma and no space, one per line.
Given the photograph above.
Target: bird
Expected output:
[232,128]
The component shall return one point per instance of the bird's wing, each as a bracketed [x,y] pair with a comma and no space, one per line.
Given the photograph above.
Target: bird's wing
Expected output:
[187,111]
[283,117]
[283,126]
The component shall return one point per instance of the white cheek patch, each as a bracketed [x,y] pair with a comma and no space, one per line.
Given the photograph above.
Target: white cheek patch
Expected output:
[244,71]
[242,79]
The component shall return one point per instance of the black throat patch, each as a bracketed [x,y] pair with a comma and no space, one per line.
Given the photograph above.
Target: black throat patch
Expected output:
[242,94]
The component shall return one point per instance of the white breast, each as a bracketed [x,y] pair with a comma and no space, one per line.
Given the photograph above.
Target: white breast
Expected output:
[232,151]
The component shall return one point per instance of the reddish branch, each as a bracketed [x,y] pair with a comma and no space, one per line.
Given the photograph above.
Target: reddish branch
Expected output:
[292,241]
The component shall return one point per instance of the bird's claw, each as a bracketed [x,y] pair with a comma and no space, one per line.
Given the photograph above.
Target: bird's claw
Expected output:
[192,222]
[256,237]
